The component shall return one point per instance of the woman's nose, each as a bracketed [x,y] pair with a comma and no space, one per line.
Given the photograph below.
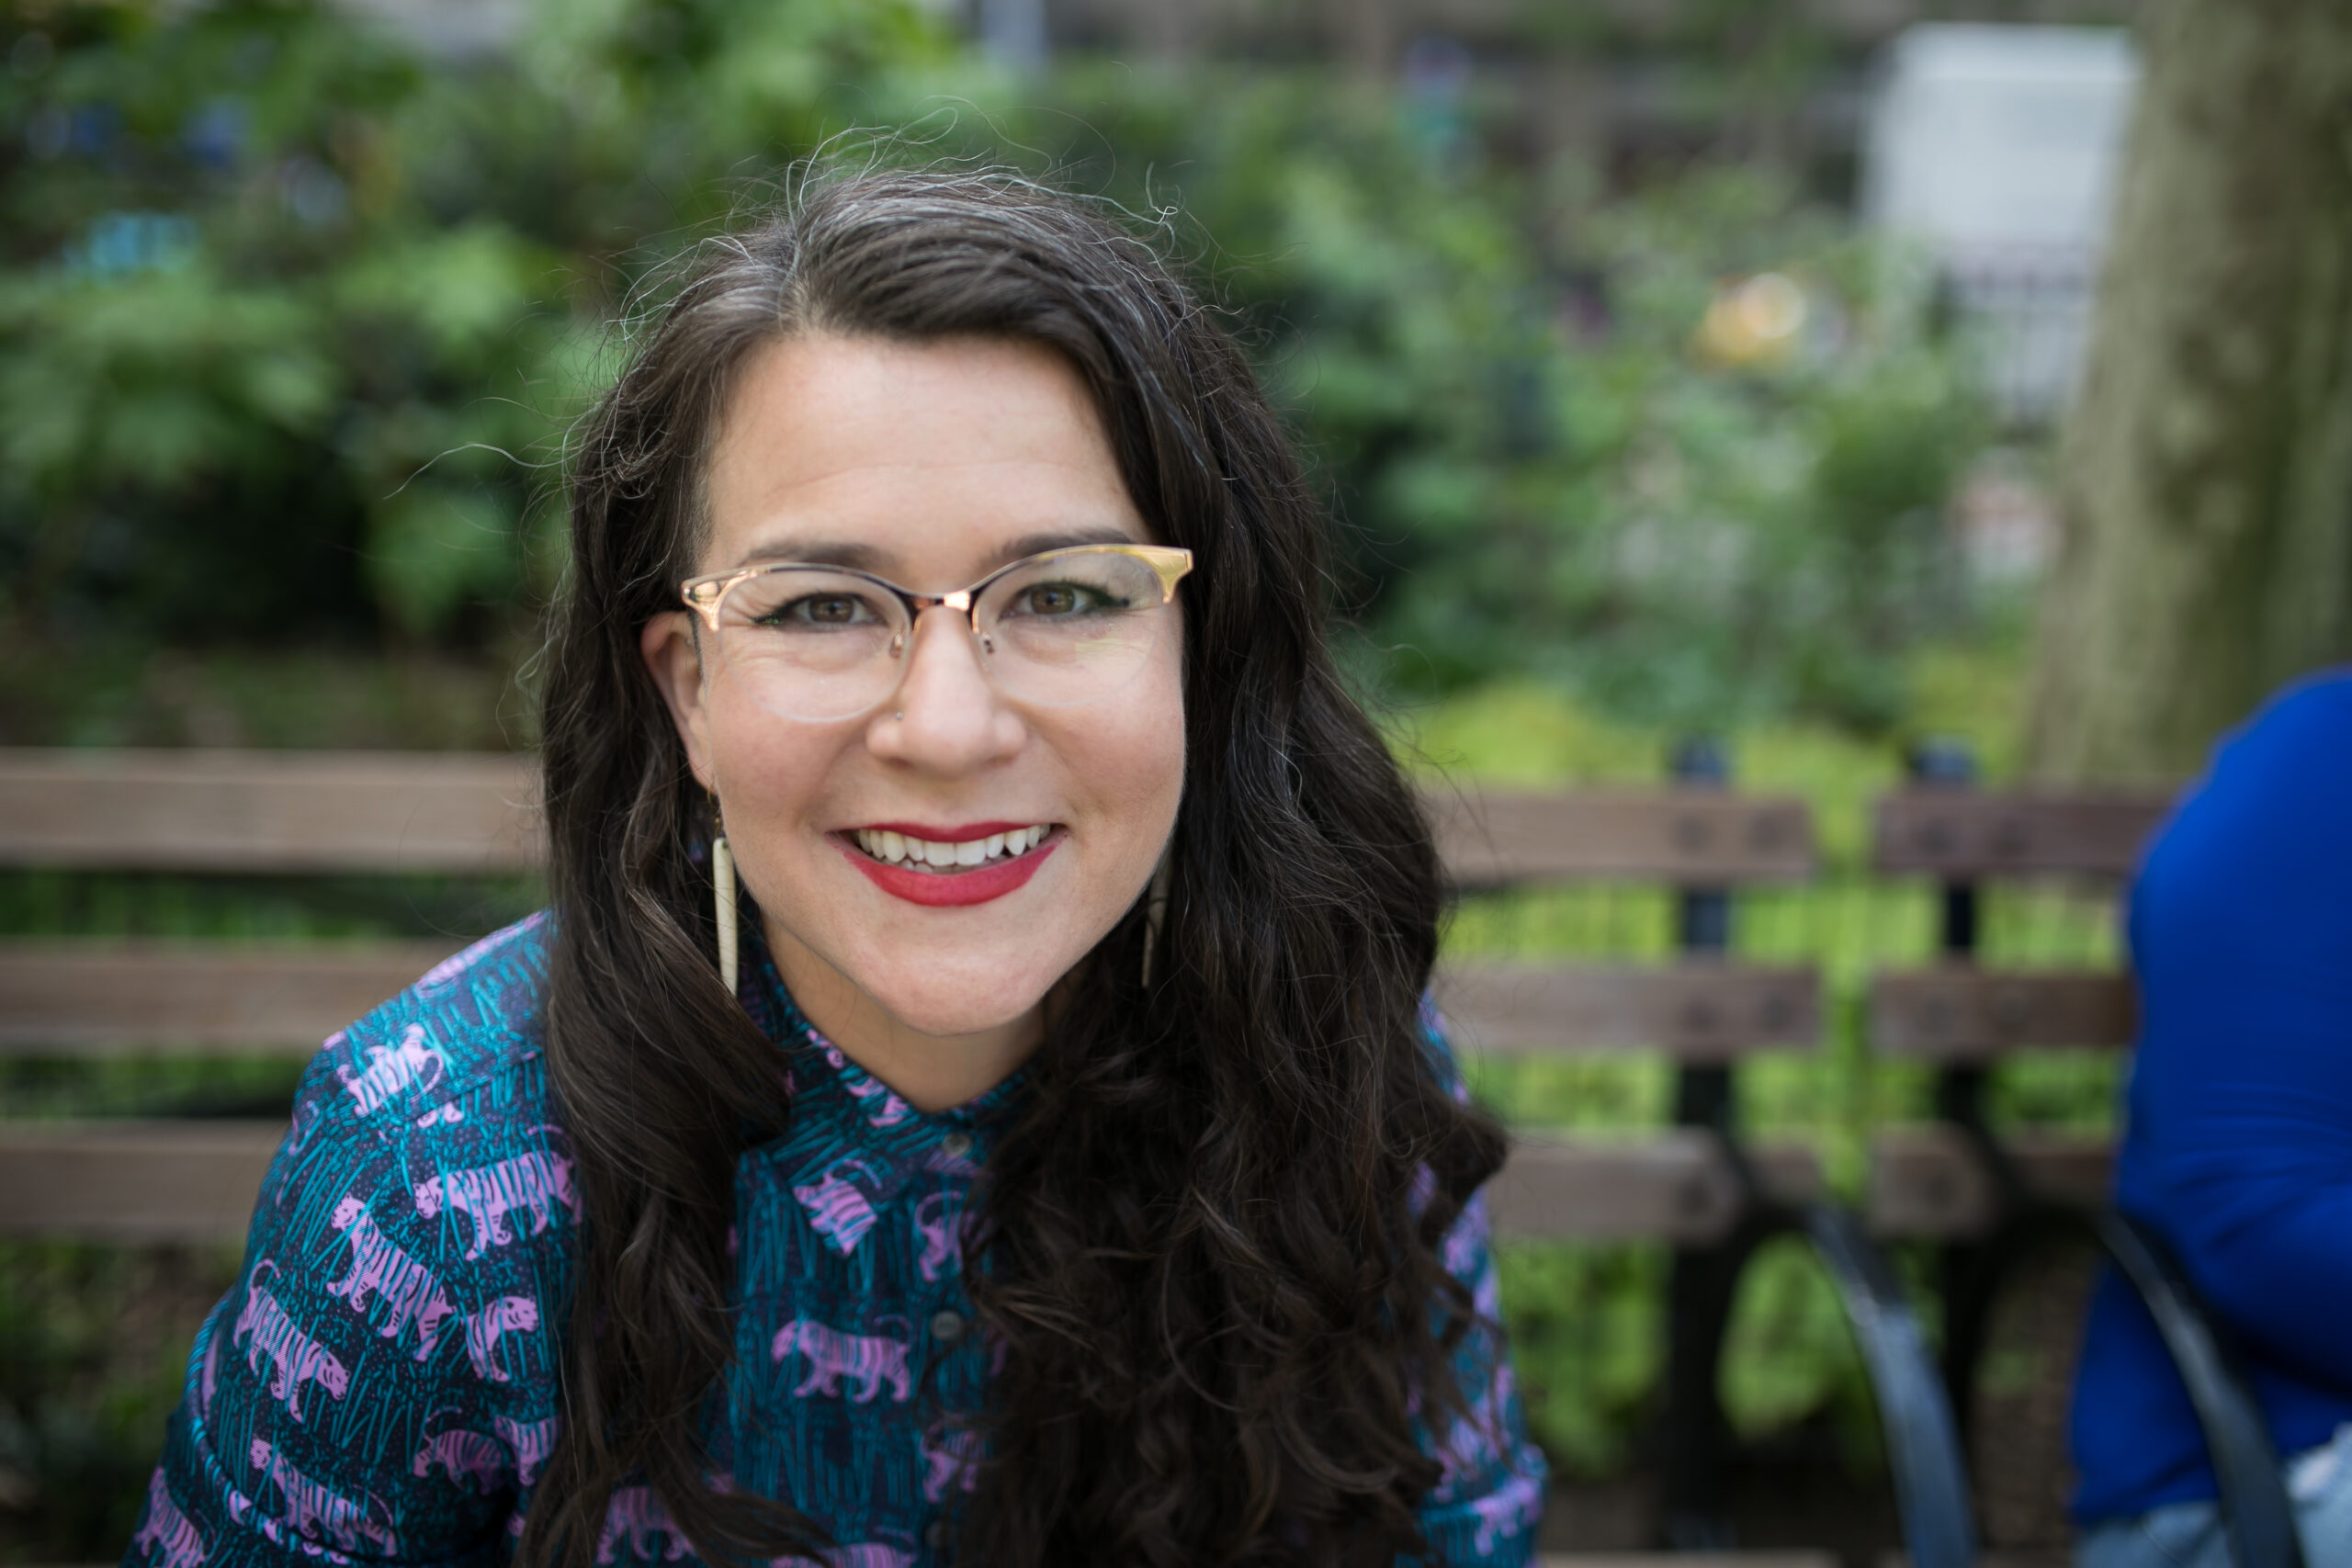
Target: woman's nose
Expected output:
[947,716]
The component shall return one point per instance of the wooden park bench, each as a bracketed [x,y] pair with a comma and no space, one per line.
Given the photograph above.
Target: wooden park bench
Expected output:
[1699,1186]
[231,813]
[1992,1198]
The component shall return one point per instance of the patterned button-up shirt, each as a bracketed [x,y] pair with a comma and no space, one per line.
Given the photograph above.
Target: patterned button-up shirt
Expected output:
[382,1382]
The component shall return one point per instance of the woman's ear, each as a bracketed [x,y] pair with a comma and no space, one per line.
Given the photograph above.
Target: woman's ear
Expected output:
[674,655]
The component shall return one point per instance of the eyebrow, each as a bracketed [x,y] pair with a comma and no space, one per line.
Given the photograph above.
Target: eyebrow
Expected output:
[858,557]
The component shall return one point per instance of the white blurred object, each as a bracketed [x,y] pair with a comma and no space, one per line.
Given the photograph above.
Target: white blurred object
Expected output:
[451,29]
[1998,148]
[1014,32]
[2006,520]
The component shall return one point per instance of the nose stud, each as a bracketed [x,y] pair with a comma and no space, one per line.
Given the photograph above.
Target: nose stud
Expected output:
[900,715]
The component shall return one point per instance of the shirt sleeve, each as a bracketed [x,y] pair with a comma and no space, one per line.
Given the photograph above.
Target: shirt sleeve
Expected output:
[2239,1146]
[365,1391]
[1489,1497]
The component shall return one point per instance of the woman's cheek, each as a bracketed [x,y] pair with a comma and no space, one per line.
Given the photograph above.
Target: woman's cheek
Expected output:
[768,782]
[1141,776]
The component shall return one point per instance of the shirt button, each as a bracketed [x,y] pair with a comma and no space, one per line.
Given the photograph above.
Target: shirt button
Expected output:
[955,1146]
[947,1326]
[935,1534]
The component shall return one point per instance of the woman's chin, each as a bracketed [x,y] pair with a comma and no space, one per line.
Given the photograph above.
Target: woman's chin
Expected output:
[934,1003]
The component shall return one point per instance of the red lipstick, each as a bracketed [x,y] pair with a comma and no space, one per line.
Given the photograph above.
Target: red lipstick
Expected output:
[949,889]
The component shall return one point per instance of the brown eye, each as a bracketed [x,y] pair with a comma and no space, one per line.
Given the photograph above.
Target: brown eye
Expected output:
[819,610]
[1062,602]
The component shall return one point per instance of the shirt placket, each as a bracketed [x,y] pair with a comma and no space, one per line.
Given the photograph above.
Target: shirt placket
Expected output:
[860,1170]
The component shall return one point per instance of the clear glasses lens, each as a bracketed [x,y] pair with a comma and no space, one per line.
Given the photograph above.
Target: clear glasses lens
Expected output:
[1070,629]
[816,644]
[813,644]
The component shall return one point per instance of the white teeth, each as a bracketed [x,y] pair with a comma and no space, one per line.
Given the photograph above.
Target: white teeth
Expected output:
[885,845]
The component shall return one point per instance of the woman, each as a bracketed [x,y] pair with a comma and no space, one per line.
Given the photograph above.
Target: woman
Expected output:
[1035,1152]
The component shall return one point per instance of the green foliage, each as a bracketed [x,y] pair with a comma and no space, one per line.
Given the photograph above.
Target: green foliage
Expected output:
[1545,466]
[291,321]
[93,1349]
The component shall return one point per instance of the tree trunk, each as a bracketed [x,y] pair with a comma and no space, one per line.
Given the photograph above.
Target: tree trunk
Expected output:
[2205,478]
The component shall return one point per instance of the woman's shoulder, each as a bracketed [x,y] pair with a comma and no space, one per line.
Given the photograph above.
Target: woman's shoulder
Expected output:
[392,1348]
[425,1149]
[467,1021]
[440,1099]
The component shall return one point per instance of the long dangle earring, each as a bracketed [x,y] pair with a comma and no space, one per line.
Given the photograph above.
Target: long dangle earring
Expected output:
[722,886]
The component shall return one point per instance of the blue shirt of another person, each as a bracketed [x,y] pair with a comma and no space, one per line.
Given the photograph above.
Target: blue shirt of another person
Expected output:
[381,1384]
[2238,1145]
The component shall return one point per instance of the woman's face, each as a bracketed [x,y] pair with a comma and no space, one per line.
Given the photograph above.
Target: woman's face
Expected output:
[929,465]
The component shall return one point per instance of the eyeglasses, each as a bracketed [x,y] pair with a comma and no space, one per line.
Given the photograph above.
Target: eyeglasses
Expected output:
[819,643]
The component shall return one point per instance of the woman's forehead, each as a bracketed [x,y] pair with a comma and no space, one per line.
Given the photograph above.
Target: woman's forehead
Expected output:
[893,455]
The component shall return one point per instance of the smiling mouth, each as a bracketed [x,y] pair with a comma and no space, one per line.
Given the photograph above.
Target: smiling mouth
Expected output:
[940,857]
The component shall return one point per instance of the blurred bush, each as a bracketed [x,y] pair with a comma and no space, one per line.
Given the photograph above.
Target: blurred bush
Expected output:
[292,319]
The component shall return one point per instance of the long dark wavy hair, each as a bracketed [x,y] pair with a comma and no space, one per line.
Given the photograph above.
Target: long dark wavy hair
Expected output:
[1210,1259]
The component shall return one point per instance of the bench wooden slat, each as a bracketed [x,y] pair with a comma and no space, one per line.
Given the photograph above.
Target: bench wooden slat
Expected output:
[1688,837]
[86,999]
[1694,1012]
[261,811]
[92,998]
[1965,1015]
[232,811]
[196,1181]
[133,1181]
[1674,1186]
[1960,834]
[1927,1181]
[291,811]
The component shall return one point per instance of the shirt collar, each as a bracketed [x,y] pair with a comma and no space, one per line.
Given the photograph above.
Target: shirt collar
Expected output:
[825,1083]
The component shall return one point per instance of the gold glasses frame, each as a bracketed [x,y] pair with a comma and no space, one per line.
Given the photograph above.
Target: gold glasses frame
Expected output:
[703,594]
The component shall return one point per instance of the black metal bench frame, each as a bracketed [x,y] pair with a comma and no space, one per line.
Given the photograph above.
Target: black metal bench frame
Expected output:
[2257,1515]
[1926,1459]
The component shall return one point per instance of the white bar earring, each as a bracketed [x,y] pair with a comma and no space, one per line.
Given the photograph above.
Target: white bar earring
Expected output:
[722,883]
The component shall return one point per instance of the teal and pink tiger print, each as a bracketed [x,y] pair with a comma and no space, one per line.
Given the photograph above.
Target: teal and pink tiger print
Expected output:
[381,1384]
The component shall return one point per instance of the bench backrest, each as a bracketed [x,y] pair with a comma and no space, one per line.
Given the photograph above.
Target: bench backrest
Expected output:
[316,814]
[1964,1018]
